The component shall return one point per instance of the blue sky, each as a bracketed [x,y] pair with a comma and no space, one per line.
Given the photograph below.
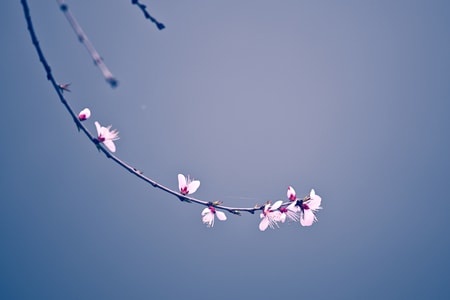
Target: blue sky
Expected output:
[350,98]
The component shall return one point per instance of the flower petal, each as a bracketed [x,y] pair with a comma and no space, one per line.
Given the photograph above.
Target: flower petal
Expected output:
[193,186]
[276,205]
[98,127]
[263,224]
[221,215]
[316,200]
[205,211]
[291,193]
[110,145]
[208,219]
[181,181]
[293,207]
[307,218]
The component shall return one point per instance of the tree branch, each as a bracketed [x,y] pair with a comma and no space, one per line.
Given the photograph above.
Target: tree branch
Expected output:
[98,61]
[94,139]
[143,8]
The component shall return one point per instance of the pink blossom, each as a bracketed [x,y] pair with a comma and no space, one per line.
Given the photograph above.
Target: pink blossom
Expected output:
[306,207]
[291,193]
[84,114]
[270,216]
[209,213]
[106,136]
[187,185]
[290,212]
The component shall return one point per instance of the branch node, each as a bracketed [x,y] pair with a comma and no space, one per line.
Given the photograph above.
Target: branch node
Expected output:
[183,199]
[63,7]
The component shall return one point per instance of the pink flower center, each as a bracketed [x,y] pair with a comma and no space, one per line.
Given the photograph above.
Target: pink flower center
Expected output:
[101,138]
[184,190]
[82,117]
[292,197]
[212,209]
[283,209]
[305,206]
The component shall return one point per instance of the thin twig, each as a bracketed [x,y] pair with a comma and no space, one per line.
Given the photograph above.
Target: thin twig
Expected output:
[143,7]
[93,139]
[98,61]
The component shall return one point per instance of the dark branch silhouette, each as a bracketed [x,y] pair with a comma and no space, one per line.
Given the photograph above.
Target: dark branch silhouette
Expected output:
[143,7]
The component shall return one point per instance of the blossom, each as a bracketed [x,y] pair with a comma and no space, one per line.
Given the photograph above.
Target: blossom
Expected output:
[291,193]
[107,136]
[270,216]
[306,207]
[209,213]
[187,185]
[290,212]
[84,114]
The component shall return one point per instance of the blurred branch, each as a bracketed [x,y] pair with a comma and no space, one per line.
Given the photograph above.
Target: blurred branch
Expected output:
[98,61]
[143,7]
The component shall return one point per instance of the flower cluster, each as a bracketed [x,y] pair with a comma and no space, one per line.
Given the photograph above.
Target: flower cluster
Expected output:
[305,207]
[104,134]
[302,210]
[296,209]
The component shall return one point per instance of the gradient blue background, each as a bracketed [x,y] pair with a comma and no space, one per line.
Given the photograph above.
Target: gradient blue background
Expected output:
[351,98]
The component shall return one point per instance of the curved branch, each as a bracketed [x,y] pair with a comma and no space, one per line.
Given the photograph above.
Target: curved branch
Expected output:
[135,171]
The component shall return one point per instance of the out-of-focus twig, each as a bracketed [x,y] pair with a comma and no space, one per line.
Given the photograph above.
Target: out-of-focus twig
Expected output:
[98,61]
[143,7]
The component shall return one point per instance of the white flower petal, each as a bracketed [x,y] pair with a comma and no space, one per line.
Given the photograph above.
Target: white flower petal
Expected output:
[307,218]
[193,186]
[205,211]
[263,224]
[181,181]
[316,200]
[293,207]
[291,193]
[110,145]
[221,215]
[276,205]
[275,216]
[208,219]
[98,127]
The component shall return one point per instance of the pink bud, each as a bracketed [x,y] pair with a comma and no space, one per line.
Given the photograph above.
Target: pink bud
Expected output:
[84,114]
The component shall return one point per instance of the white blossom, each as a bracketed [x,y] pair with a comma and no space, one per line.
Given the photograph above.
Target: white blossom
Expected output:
[106,136]
[209,213]
[187,185]
[270,216]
